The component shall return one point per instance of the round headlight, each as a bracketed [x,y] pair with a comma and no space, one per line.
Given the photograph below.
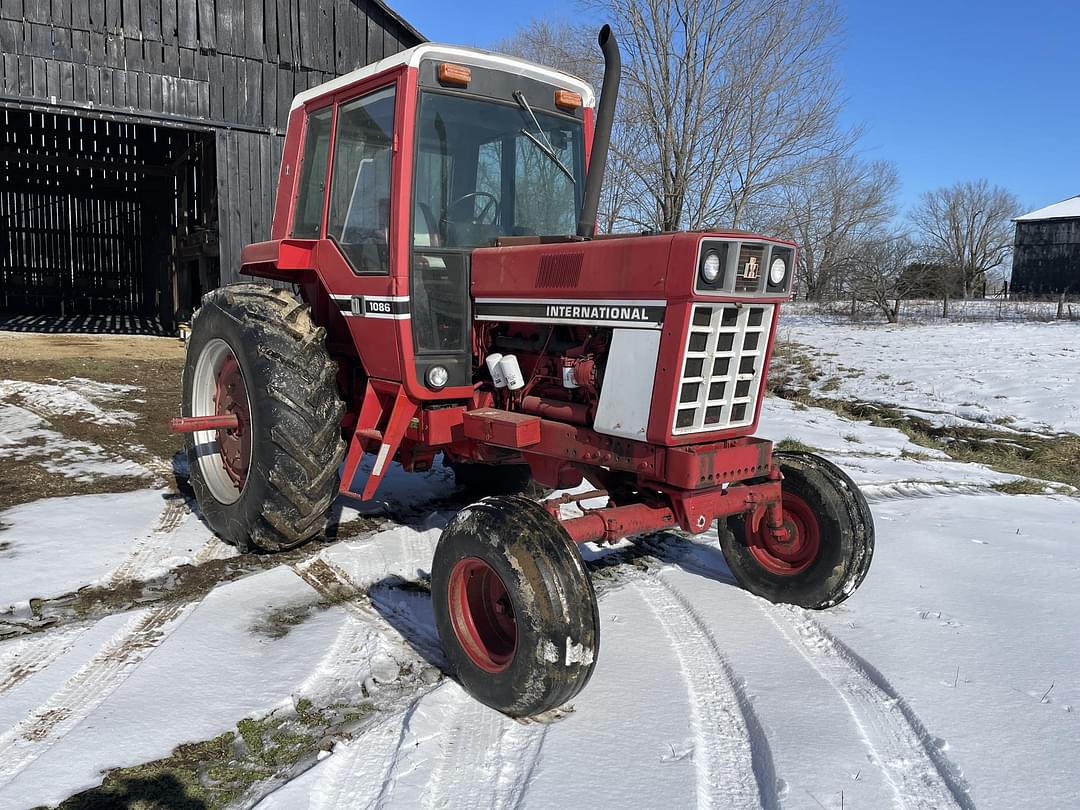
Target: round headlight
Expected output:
[437,377]
[710,268]
[777,271]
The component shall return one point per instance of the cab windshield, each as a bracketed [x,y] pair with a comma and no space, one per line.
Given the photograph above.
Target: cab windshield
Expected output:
[486,169]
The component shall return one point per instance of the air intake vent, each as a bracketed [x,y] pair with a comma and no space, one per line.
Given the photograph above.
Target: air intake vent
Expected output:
[559,270]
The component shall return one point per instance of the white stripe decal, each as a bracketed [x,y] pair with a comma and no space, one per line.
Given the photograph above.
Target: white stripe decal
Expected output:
[574,302]
[380,460]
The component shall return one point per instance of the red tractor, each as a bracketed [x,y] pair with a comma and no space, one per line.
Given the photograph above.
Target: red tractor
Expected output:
[436,213]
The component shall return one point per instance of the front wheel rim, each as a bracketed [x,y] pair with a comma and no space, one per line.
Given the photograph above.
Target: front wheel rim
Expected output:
[218,388]
[482,614]
[795,555]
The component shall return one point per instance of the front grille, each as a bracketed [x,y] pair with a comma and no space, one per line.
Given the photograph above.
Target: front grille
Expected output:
[723,366]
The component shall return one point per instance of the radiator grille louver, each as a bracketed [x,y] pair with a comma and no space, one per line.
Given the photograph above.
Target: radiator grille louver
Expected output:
[723,366]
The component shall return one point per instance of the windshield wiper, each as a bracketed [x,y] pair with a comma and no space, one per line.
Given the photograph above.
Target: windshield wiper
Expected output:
[543,145]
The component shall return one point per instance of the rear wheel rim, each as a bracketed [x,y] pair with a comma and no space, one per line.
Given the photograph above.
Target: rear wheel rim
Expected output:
[792,556]
[482,614]
[218,388]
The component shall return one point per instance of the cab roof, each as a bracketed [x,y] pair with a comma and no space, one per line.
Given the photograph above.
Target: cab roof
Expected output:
[454,53]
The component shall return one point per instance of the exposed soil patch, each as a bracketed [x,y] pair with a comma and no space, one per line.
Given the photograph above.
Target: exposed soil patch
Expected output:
[154,365]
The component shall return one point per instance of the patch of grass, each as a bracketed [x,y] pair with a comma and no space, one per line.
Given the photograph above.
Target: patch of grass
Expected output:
[279,622]
[916,455]
[1021,486]
[831,384]
[794,446]
[220,772]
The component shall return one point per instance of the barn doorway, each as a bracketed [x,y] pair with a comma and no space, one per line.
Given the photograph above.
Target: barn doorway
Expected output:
[106,225]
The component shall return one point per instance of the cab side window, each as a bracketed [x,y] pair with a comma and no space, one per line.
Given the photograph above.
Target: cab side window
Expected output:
[360,196]
[311,186]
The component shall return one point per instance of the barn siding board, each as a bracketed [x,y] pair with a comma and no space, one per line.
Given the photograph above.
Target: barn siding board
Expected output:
[207,12]
[114,15]
[253,27]
[225,26]
[130,19]
[37,11]
[187,24]
[96,14]
[270,32]
[150,20]
[168,21]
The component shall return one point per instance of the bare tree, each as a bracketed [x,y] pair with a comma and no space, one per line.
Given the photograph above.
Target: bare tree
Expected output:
[726,97]
[722,102]
[830,210]
[968,226]
[878,273]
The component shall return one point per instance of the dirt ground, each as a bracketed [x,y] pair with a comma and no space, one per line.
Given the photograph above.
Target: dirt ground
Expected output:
[35,347]
[154,364]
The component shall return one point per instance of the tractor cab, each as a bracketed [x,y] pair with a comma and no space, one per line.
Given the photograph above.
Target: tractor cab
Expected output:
[394,174]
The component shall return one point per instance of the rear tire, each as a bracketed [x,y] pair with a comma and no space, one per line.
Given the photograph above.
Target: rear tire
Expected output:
[290,428]
[514,606]
[834,538]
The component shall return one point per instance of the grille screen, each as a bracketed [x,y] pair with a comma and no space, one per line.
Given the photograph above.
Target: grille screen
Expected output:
[723,365]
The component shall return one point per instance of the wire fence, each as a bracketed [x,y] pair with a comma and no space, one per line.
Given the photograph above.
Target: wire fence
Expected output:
[970,310]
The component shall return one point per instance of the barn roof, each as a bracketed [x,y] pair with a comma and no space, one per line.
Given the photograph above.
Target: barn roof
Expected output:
[1066,209]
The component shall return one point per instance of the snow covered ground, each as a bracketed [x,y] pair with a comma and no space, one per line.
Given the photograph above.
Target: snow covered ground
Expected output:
[1026,373]
[950,679]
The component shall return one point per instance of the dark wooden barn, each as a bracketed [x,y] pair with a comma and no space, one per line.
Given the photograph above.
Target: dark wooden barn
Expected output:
[1046,260]
[140,142]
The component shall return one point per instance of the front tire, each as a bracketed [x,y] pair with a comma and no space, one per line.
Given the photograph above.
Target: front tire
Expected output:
[254,352]
[832,534]
[514,606]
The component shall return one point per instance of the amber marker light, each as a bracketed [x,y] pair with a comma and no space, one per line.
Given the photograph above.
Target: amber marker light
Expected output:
[567,100]
[456,75]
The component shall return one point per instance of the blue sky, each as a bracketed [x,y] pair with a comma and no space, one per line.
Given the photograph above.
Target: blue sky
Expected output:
[947,90]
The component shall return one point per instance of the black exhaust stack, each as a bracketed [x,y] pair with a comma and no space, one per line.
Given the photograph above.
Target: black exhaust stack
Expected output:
[605,116]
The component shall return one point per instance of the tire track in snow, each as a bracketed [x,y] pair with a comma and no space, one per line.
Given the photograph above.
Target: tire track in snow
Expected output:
[917,770]
[87,688]
[482,741]
[337,587]
[152,549]
[360,776]
[732,759]
[903,490]
[23,657]
[478,739]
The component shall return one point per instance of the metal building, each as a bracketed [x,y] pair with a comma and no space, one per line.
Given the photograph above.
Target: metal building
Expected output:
[140,142]
[1046,260]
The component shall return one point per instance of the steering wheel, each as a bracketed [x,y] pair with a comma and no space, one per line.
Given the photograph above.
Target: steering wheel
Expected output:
[491,205]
